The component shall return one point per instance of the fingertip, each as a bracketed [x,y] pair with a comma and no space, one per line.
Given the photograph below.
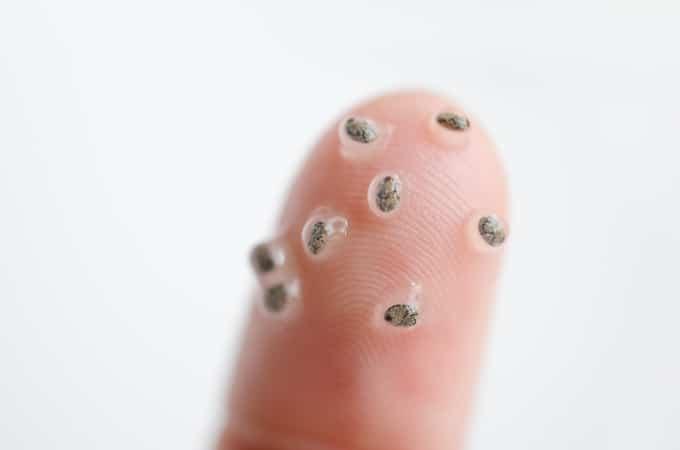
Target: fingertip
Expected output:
[392,237]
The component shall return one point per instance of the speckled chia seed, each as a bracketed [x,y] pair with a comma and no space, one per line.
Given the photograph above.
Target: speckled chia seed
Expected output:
[262,259]
[276,297]
[318,237]
[360,130]
[453,121]
[402,315]
[492,231]
[388,194]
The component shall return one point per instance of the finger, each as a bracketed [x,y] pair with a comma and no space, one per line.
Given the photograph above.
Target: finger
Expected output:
[376,286]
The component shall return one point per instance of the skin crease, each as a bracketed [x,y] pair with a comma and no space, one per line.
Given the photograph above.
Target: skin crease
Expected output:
[333,374]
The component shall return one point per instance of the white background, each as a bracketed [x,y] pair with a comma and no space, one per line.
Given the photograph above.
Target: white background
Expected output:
[144,145]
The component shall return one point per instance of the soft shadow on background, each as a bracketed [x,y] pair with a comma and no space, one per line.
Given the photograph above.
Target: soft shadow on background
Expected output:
[144,145]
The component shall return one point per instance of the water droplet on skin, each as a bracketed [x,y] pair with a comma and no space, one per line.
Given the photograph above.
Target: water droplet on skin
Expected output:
[281,296]
[266,257]
[322,230]
[361,138]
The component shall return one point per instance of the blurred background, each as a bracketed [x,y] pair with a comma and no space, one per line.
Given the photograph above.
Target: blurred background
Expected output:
[134,140]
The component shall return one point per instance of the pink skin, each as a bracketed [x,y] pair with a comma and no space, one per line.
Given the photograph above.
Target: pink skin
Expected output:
[332,374]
